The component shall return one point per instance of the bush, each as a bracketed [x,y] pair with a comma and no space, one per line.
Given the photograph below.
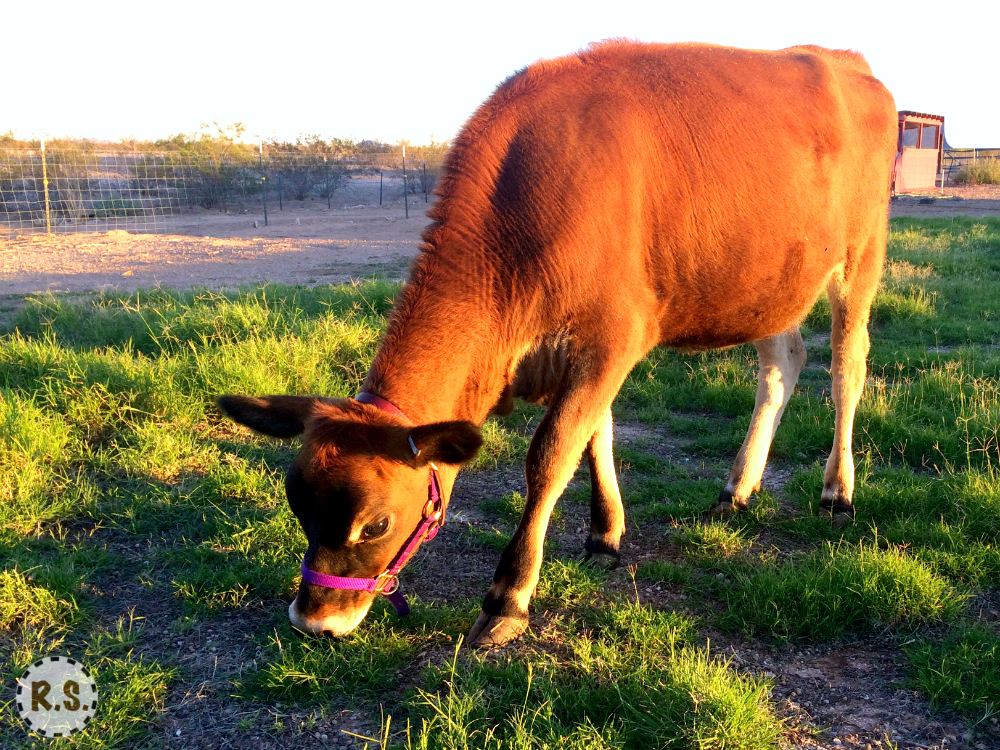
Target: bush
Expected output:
[979,172]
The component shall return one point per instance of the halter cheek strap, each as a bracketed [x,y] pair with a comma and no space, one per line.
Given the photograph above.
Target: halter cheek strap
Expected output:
[387,582]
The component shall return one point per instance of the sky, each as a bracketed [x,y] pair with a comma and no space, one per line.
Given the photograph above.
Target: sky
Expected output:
[416,70]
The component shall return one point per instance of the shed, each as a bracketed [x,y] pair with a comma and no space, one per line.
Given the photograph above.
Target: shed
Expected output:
[918,151]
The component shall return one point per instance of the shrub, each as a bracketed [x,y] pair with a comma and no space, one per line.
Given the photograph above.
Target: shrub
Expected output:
[979,172]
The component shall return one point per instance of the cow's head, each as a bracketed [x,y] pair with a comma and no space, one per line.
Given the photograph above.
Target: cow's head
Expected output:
[357,488]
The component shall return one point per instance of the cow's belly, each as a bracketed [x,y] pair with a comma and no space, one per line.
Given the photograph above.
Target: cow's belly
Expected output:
[710,307]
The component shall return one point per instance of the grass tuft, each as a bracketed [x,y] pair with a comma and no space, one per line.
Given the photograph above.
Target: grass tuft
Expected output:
[960,672]
[840,591]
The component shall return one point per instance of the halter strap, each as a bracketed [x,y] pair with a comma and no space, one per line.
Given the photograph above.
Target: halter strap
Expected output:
[379,403]
[387,582]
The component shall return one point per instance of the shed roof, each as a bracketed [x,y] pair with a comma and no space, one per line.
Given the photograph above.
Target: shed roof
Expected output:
[921,114]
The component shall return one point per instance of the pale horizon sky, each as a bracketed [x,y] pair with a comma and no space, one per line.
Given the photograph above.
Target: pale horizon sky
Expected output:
[404,70]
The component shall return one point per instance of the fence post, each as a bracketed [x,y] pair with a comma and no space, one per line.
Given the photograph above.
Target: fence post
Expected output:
[281,203]
[425,181]
[329,196]
[217,182]
[45,189]
[223,187]
[406,204]
[263,177]
[380,187]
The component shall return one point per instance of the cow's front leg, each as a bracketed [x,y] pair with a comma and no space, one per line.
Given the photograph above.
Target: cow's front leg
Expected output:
[607,515]
[583,400]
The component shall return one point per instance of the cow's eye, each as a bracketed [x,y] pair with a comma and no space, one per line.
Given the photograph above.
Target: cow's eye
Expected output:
[375,529]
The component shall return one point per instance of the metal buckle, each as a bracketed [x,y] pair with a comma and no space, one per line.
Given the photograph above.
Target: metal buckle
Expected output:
[431,512]
[387,583]
[433,526]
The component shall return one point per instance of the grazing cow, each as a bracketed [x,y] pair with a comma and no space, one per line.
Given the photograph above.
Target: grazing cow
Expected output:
[594,207]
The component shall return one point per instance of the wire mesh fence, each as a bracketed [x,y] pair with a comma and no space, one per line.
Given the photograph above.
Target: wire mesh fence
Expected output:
[77,190]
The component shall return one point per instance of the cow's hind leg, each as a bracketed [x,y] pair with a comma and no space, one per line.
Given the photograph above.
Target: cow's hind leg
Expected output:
[607,515]
[575,413]
[781,359]
[850,302]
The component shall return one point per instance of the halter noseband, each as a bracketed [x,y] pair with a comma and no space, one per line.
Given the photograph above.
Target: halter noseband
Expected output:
[387,582]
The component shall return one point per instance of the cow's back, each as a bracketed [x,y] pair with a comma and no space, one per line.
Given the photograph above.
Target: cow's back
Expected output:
[715,188]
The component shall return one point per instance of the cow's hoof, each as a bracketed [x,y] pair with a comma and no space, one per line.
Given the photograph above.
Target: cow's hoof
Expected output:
[491,631]
[841,513]
[600,560]
[725,508]
[597,554]
[840,520]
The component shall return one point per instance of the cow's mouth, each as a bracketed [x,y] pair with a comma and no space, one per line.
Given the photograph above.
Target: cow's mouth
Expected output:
[330,623]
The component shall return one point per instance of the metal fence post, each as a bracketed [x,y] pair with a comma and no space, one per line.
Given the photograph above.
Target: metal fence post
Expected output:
[425,182]
[45,189]
[217,182]
[329,195]
[406,204]
[263,177]
[223,186]
[380,187]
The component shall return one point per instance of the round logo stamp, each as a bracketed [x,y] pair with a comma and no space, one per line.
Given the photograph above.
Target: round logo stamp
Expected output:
[56,696]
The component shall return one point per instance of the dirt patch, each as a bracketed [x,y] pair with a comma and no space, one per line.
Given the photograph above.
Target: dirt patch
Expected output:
[301,246]
[980,201]
[853,693]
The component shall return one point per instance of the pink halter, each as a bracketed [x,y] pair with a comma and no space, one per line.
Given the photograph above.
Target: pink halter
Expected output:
[387,582]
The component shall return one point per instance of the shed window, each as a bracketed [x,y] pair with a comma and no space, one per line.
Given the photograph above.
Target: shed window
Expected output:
[910,132]
[928,136]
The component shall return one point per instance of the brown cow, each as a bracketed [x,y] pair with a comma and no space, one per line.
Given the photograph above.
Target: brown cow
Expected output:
[594,207]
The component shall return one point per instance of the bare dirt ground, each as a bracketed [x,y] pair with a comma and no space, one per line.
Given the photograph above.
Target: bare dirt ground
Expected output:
[299,246]
[977,201]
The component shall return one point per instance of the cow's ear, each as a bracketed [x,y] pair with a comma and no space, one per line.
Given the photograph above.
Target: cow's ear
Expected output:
[446,442]
[277,416]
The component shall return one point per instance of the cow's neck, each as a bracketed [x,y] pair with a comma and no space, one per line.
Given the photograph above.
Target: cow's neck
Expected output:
[441,358]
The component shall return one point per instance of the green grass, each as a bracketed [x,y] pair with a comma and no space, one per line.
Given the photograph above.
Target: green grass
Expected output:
[962,671]
[133,518]
[365,664]
[836,592]
[635,681]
